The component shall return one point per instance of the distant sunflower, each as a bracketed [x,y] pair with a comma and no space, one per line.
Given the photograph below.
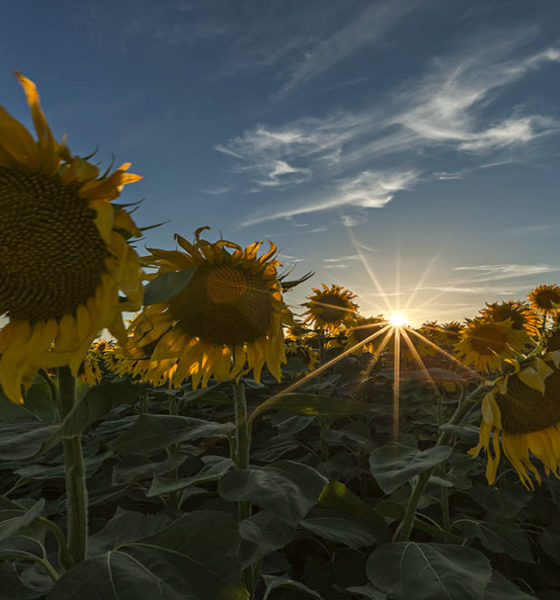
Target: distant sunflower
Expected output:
[521,416]
[225,322]
[330,308]
[484,344]
[365,328]
[544,298]
[522,317]
[449,334]
[64,252]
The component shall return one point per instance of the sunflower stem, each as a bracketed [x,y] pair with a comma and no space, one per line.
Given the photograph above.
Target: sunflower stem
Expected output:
[323,421]
[76,491]
[241,457]
[402,534]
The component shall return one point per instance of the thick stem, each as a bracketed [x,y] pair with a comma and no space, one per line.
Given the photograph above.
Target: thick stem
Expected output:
[403,532]
[76,491]
[243,431]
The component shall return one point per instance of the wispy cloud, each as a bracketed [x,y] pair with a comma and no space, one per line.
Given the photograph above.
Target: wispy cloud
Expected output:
[364,29]
[217,191]
[451,107]
[368,190]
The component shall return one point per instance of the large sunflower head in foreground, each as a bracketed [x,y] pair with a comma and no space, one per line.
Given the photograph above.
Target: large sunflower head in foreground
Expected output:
[64,255]
[330,308]
[522,317]
[521,416]
[366,336]
[225,322]
[545,298]
[484,344]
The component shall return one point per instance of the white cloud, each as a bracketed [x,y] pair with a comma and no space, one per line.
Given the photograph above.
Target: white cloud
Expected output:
[365,29]
[368,189]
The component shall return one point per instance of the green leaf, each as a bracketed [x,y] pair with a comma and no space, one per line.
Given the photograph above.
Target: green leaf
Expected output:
[286,488]
[195,558]
[501,537]
[368,591]
[429,571]
[342,531]
[550,541]
[501,588]
[134,468]
[262,534]
[125,526]
[150,433]
[394,464]
[24,439]
[337,496]
[167,285]
[14,519]
[214,469]
[274,582]
[92,406]
[318,406]
[12,588]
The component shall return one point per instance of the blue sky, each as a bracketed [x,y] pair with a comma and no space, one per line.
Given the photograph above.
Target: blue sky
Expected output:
[412,143]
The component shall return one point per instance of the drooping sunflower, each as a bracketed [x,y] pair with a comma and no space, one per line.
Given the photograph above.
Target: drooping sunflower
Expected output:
[65,255]
[521,416]
[521,315]
[544,298]
[484,344]
[364,328]
[330,308]
[227,321]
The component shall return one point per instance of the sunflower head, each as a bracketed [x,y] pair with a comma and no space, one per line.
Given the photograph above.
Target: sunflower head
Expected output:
[545,298]
[226,321]
[330,308]
[309,357]
[65,255]
[361,334]
[521,416]
[484,344]
[521,315]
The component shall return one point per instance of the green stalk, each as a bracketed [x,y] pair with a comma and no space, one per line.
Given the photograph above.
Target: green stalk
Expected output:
[33,558]
[241,455]
[402,534]
[323,421]
[76,491]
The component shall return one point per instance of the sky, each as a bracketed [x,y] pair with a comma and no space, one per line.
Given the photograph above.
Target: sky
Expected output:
[407,150]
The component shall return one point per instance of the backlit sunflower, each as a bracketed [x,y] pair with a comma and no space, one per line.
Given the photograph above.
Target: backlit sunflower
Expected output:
[521,416]
[309,358]
[544,298]
[64,255]
[330,308]
[484,344]
[365,328]
[224,323]
[522,317]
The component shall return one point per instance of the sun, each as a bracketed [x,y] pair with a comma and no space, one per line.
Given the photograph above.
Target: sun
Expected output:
[398,320]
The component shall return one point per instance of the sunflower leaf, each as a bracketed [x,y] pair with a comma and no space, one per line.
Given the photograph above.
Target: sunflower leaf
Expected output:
[167,285]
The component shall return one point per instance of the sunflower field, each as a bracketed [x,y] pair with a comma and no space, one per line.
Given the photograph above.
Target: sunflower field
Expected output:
[222,444]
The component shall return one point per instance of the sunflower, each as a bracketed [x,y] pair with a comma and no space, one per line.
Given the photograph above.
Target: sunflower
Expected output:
[484,344]
[545,298]
[330,308]
[365,328]
[64,251]
[522,317]
[521,416]
[225,322]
